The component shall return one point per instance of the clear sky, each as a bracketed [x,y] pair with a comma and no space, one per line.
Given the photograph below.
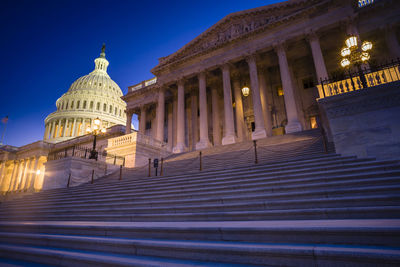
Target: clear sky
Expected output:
[46,45]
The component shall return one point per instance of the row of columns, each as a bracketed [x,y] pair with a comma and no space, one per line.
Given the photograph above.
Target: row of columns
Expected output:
[20,175]
[75,127]
[262,118]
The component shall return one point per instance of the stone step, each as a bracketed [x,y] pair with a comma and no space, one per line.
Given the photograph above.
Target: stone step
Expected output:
[253,178]
[372,212]
[64,257]
[227,252]
[339,202]
[366,184]
[377,232]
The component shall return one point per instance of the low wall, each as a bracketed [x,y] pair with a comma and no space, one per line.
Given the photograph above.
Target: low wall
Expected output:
[58,172]
[365,123]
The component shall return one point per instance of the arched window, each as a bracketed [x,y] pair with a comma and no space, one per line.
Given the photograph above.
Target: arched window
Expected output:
[91,104]
[115,111]
[72,104]
[104,107]
[78,104]
[62,107]
[66,105]
[120,113]
[110,109]
[84,104]
[98,106]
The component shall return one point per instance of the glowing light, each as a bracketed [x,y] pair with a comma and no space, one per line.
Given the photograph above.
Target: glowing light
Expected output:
[351,41]
[345,62]
[95,127]
[96,121]
[366,46]
[245,91]
[103,130]
[365,56]
[88,130]
[38,172]
[345,52]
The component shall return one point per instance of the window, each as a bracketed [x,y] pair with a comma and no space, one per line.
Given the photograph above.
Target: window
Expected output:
[98,106]
[84,104]
[120,113]
[313,122]
[78,104]
[91,104]
[110,109]
[148,125]
[104,107]
[72,104]
[115,111]
[279,91]
[363,3]
[62,107]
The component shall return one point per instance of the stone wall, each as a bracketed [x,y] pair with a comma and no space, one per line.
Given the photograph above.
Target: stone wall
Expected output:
[59,171]
[365,123]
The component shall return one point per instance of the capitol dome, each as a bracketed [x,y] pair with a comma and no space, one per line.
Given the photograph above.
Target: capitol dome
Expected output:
[91,96]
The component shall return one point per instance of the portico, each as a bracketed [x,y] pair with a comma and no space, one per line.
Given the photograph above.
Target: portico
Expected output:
[278,51]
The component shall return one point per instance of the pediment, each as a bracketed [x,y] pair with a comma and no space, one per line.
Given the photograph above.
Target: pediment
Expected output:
[237,26]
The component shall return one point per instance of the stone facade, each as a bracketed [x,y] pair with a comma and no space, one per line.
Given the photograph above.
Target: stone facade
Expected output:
[280,52]
[366,123]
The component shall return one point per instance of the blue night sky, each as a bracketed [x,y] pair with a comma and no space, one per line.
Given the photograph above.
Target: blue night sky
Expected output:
[46,45]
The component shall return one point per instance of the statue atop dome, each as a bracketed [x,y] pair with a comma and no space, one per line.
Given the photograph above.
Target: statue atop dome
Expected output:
[103,51]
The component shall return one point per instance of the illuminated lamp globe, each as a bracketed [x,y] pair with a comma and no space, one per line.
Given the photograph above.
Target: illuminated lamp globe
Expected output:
[345,52]
[103,130]
[351,41]
[365,56]
[95,127]
[366,46]
[245,91]
[345,62]
[96,121]
[88,130]
[38,172]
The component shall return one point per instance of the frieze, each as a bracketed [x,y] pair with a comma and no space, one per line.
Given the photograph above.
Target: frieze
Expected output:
[235,27]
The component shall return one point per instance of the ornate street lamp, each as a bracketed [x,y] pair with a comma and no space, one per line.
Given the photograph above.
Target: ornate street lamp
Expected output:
[96,129]
[245,91]
[354,54]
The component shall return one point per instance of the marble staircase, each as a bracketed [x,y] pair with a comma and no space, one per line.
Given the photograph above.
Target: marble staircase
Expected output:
[297,207]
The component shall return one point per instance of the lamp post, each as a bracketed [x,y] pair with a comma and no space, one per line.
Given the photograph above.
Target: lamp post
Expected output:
[96,129]
[355,54]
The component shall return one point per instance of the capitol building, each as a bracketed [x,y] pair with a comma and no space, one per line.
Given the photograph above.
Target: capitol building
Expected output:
[91,96]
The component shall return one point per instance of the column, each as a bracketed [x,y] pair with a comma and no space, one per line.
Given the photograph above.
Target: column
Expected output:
[229,135]
[265,103]
[319,62]
[46,130]
[180,133]
[215,117]
[259,131]
[14,183]
[25,175]
[73,134]
[33,174]
[2,165]
[142,120]
[53,129]
[288,91]
[240,124]
[128,128]
[175,117]
[160,115]
[8,178]
[195,128]
[65,128]
[170,127]
[204,142]
[392,42]
[83,130]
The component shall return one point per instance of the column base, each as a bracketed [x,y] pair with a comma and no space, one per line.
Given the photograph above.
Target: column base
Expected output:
[203,144]
[227,140]
[258,134]
[179,148]
[292,127]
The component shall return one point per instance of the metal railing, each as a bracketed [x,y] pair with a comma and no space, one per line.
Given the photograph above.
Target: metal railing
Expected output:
[84,153]
[363,78]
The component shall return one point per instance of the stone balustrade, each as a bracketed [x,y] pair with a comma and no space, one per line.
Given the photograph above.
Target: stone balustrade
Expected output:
[135,137]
